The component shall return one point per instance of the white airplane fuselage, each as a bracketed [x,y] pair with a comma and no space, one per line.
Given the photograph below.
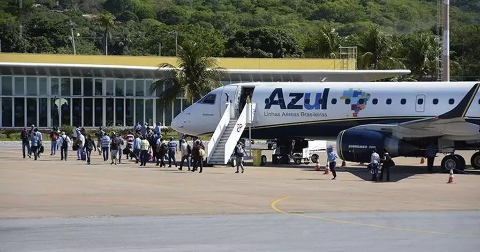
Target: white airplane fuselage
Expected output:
[321,110]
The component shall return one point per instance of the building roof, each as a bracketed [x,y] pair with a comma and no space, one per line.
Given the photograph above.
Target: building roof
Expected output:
[238,69]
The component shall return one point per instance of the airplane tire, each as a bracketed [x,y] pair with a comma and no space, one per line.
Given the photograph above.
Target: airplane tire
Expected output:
[475,160]
[314,158]
[463,164]
[451,162]
[298,161]
[263,160]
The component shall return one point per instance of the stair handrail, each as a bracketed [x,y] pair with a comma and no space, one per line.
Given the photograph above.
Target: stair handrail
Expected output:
[217,134]
[237,132]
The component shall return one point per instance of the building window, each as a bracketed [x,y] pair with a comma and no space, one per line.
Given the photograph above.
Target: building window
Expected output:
[77,112]
[77,86]
[98,87]
[7,111]
[139,109]
[7,87]
[403,101]
[110,108]
[19,105]
[32,111]
[129,86]
[119,111]
[42,112]
[32,86]
[110,88]
[87,87]
[129,108]
[140,88]
[42,85]
[54,85]
[451,101]
[19,87]
[148,84]
[334,101]
[120,88]
[65,87]
[149,111]
[389,101]
[65,109]
[435,101]
[420,101]
[375,101]
[347,101]
[98,111]
[55,111]
[88,112]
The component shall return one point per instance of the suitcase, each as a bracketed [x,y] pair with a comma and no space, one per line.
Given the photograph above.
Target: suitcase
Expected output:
[84,156]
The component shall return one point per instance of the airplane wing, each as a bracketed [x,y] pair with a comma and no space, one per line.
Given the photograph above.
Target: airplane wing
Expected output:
[450,124]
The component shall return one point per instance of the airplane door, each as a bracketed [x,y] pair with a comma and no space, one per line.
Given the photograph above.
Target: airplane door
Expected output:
[232,92]
[420,103]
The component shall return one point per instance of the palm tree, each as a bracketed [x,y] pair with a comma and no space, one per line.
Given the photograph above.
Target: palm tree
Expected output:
[421,53]
[107,21]
[327,42]
[376,50]
[196,75]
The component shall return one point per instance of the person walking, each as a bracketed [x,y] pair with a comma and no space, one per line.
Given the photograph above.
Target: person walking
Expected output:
[89,147]
[81,145]
[136,148]
[144,146]
[36,143]
[239,152]
[53,139]
[63,141]
[99,134]
[105,146]
[121,146]
[374,164]
[332,161]
[172,150]
[186,151]
[25,136]
[198,151]
[114,148]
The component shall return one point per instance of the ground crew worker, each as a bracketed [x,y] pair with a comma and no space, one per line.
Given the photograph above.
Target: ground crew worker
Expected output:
[332,161]
[172,150]
[374,163]
[430,154]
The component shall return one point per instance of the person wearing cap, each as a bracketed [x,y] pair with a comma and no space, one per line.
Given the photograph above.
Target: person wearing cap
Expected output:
[332,161]
[387,162]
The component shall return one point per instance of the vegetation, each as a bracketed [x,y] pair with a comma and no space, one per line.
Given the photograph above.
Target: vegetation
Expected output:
[389,34]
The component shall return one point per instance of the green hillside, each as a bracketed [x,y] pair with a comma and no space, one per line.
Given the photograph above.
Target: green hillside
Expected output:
[388,33]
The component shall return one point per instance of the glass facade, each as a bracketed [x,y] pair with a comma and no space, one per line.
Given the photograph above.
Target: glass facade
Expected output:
[48,101]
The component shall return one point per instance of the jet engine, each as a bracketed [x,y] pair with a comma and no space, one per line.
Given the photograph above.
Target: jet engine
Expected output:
[356,145]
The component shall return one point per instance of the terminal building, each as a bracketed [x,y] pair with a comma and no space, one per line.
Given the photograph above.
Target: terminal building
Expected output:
[93,90]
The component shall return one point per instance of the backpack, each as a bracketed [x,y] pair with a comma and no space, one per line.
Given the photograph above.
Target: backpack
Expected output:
[113,145]
[189,149]
[64,143]
[240,151]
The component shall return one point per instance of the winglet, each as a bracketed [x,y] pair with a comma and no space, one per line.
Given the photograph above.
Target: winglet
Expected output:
[461,109]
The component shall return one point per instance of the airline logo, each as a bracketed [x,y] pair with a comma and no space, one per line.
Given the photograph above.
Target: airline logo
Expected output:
[358,100]
[311,101]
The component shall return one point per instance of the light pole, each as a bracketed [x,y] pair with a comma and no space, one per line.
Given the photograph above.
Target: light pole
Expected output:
[176,41]
[72,24]
[160,49]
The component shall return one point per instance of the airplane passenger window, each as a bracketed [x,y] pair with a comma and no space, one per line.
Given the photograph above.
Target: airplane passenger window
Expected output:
[451,101]
[334,101]
[347,101]
[389,101]
[375,101]
[361,101]
[435,101]
[209,99]
[403,101]
[420,101]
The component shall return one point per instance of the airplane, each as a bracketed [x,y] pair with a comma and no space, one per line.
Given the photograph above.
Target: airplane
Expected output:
[403,117]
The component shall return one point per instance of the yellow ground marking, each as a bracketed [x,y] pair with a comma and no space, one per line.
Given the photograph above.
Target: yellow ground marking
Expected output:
[273,205]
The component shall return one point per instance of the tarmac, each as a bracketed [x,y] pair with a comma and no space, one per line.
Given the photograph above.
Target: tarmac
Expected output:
[53,205]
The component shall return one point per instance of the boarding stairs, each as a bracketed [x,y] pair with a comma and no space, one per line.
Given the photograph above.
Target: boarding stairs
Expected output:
[228,132]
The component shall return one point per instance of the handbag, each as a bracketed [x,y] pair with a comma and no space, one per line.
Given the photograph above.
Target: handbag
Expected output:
[41,149]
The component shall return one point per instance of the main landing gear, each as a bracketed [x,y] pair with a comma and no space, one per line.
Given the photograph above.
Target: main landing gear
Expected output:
[457,162]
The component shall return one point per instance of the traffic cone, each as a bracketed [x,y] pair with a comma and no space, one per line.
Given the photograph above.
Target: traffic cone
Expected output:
[451,179]
[422,161]
[344,163]
[327,169]
[317,167]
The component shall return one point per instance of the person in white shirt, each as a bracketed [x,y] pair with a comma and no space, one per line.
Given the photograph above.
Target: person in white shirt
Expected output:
[63,141]
[75,133]
[105,146]
[186,151]
[374,164]
[81,145]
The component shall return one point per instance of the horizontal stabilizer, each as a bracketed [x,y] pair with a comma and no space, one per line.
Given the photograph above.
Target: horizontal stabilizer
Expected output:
[461,109]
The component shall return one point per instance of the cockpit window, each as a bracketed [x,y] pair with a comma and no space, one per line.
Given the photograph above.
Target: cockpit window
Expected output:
[209,99]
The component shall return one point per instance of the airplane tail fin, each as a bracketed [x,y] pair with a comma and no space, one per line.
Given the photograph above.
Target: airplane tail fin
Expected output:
[461,109]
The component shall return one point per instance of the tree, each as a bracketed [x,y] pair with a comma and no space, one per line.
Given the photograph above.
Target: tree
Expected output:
[195,75]
[107,21]
[420,52]
[324,43]
[376,50]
